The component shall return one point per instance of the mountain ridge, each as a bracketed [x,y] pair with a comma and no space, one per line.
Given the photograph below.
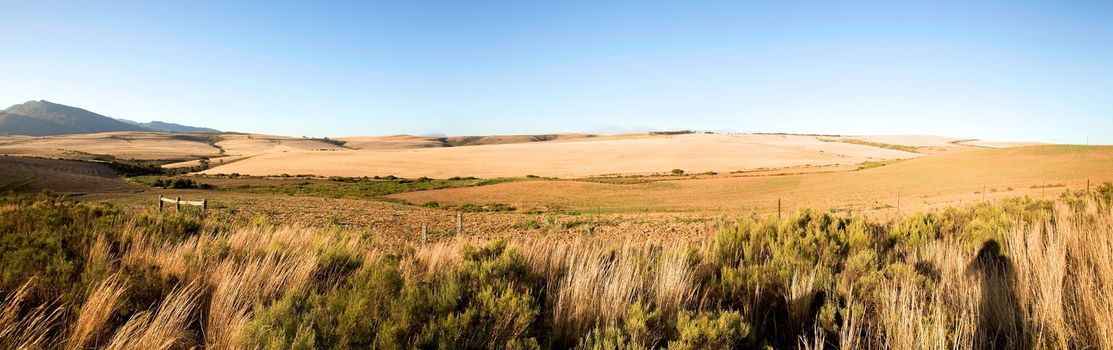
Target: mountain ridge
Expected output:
[44,118]
[156,125]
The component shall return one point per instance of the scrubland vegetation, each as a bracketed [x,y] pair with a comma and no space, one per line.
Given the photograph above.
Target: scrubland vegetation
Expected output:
[1019,273]
[172,183]
[362,187]
[905,148]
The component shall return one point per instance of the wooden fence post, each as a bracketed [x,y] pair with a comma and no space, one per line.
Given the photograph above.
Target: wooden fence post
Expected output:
[160,203]
[178,203]
[459,223]
[424,234]
[778,209]
[204,205]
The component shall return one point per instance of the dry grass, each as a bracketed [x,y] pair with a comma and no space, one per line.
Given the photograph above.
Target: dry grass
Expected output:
[1050,291]
[598,285]
[1049,285]
[89,329]
[163,328]
[237,286]
[29,329]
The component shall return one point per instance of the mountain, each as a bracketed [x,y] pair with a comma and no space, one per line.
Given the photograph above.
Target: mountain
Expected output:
[40,118]
[169,127]
[15,124]
[64,120]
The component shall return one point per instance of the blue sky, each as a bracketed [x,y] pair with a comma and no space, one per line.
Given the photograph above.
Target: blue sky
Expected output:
[1016,70]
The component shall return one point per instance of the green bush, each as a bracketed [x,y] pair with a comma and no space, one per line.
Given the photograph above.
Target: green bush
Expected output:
[288,323]
[179,183]
[43,238]
[710,330]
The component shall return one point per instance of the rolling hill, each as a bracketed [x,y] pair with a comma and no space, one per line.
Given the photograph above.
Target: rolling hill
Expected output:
[32,175]
[572,158]
[962,176]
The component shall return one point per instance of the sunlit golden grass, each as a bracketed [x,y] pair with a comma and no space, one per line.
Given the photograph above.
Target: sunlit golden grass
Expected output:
[1042,281]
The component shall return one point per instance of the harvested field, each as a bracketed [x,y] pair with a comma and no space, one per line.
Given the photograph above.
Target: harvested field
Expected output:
[924,182]
[642,154]
[393,142]
[30,175]
[253,144]
[998,144]
[122,145]
[909,140]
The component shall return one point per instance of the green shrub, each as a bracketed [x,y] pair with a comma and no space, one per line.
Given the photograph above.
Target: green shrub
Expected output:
[605,338]
[179,183]
[710,330]
[289,323]
[44,238]
[361,306]
[645,327]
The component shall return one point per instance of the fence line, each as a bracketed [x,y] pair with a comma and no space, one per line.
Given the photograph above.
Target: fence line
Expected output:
[203,203]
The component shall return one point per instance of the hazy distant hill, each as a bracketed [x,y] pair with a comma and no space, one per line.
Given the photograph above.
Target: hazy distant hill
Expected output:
[15,124]
[52,118]
[40,118]
[169,127]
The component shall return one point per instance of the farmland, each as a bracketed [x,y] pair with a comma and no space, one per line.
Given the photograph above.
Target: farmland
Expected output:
[528,175]
[926,182]
[860,234]
[582,157]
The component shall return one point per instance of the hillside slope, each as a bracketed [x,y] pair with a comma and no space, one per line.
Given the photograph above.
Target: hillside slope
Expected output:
[53,119]
[15,124]
[44,118]
[144,145]
[32,175]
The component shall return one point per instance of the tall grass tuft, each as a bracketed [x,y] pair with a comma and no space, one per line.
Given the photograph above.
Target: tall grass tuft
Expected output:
[92,324]
[30,329]
[166,327]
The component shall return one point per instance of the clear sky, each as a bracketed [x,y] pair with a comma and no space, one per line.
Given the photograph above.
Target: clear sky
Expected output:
[1010,70]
